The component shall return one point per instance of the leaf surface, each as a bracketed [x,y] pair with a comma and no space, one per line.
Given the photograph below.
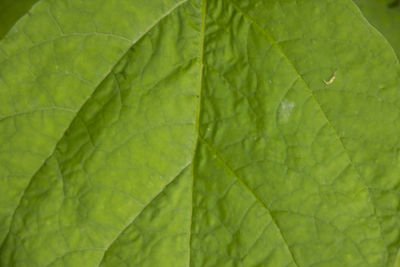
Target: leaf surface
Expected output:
[198,133]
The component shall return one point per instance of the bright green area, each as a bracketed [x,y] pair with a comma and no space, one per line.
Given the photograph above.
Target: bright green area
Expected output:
[385,16]
[11,11]
[198,133]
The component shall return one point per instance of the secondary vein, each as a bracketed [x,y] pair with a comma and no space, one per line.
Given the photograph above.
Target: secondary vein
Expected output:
[83,104]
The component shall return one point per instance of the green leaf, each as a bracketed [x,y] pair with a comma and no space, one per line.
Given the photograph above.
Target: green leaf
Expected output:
[11,11]
[198,133]
[385,16]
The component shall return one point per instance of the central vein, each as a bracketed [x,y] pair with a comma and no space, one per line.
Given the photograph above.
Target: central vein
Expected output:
[197,118]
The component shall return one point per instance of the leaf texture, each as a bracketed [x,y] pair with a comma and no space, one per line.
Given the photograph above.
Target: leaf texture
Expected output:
[198,133]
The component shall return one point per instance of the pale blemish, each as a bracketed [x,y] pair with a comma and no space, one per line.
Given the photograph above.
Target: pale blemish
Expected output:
[332,79]
[285,110]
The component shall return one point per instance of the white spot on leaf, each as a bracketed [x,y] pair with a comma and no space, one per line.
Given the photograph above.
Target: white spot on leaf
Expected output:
[285,110]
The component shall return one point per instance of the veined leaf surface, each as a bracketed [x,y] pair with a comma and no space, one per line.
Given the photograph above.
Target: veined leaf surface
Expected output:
[198,133]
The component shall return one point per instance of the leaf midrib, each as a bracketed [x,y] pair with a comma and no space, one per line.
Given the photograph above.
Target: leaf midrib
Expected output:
[197,122]
[198,138]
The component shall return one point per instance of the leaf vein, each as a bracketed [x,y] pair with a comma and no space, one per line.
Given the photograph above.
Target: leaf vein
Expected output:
[240,180]
[197,123]
[276,44]
[141,211]
[83,104]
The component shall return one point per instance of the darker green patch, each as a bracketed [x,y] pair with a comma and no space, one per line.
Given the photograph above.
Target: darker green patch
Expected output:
[394,4]
[11,11]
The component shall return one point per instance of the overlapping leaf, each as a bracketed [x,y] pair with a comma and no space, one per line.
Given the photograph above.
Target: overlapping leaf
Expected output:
[385,16]
[11,11]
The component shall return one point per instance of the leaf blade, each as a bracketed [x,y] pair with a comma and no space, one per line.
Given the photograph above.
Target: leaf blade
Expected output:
[282,165]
